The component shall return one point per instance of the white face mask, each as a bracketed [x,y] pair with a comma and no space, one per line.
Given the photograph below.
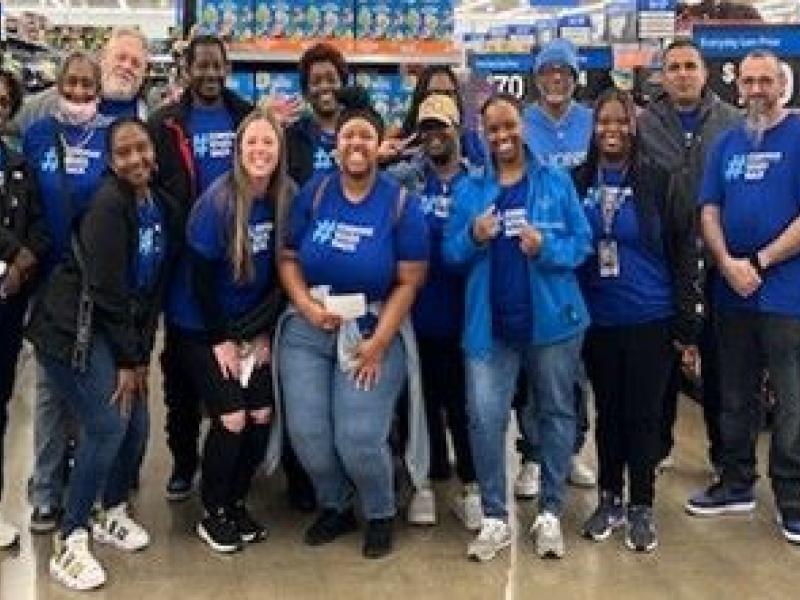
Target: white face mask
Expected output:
[74,113]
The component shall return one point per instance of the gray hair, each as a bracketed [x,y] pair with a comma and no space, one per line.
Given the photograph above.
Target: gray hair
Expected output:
[123,32]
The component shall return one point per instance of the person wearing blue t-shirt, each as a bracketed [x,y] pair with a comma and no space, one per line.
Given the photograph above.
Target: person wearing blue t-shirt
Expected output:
[311,139]
[750,219]
[194,146]
[438,314]
[519,232]
[557,130]
[231,237]
[67,152]
[641,286]
[94,329]
[355,257]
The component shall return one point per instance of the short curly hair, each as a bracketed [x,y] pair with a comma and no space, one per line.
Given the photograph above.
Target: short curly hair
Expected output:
[317,54]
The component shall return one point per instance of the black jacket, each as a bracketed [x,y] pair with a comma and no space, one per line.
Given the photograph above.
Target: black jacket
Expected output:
[663,201]
[174,152]
[300,138]
[22,222]
[107,238]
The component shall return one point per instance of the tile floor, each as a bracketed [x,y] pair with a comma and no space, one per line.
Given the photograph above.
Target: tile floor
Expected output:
[740,558]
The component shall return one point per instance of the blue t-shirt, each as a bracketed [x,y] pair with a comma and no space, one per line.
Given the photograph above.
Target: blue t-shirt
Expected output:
[119,108]
[208,233]
[689,119]
[563,143]
[355,247]
[473,148]
[439,309]
[642,292]
[85,163]
[324,145]
[512,309]
[151,247]
[212,134]
[758,193]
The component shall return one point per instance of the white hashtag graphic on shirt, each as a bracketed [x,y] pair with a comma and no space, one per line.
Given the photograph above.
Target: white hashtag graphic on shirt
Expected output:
[50,161]
[200,143]
[324,231]
[735,168]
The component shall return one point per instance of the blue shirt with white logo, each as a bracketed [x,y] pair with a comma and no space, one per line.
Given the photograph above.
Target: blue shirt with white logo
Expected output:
[212,135]
[563,143]
[512,309]
[209,232]
[151,247]
[757,190]
[324,145]
[84,164]
[439,309]
[642,292]
[355,247]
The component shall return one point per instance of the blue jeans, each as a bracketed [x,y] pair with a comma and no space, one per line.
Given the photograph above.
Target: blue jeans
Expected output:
[551,372]
[51,416]
[111,443]
[340,433]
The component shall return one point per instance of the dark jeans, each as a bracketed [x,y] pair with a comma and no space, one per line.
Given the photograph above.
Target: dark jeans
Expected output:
[670,411]
[629,368]
[111,442]
[11,315]
[528,443]
[709,359]
[748,342]
[444,389]
[182,399]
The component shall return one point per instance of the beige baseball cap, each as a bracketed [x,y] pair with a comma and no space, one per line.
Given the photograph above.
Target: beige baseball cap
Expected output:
[441,108]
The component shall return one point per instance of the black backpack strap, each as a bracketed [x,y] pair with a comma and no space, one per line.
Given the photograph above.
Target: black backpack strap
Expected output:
[315,202]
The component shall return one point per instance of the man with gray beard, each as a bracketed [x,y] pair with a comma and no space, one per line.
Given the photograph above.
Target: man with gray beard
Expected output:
[750,221]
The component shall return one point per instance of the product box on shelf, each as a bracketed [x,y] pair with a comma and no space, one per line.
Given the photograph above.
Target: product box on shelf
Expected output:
[244,25]
[277,83]
[390,94]
[329,19]
[243,83]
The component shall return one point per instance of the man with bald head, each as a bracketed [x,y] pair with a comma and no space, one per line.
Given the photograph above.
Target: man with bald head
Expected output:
[750,218]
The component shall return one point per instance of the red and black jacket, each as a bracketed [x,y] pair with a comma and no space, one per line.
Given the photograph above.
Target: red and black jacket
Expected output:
[174,153]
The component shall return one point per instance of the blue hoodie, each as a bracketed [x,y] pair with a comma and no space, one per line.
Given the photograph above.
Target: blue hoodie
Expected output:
[559,312]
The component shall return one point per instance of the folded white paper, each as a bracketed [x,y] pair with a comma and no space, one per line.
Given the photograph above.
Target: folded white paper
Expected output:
[347,306]
[246,366]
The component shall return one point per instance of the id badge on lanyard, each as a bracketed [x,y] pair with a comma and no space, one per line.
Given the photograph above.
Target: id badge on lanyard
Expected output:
[607,248]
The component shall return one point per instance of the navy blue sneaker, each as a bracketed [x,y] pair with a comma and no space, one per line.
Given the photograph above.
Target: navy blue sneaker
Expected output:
[790,528]
[720,499]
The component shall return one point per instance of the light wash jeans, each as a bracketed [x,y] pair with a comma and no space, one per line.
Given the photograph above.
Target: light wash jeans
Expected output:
[491,381]
[340,433]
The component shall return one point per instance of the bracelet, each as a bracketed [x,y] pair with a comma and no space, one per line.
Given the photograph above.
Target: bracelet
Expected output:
[753,258]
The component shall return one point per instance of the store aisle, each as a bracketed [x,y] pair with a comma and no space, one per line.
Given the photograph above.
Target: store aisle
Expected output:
[735,557]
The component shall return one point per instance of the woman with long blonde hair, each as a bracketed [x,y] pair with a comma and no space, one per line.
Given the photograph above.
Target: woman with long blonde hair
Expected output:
[231,237]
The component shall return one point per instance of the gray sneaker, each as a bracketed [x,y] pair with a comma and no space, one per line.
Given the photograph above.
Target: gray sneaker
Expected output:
[549,539]
[640,533]
[608,516]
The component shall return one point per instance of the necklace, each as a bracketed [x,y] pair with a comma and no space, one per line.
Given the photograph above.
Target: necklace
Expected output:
[80,144]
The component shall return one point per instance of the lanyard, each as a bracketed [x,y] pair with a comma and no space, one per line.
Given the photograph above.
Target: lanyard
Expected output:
[610,198]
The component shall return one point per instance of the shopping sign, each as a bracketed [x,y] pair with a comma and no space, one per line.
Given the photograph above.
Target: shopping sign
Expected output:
[724,47]
[512,73]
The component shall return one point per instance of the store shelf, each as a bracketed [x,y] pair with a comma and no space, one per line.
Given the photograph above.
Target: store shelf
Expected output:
[353,58]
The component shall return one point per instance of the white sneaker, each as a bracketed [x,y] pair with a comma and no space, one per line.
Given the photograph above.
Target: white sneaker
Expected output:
[494,536]
[9,535]
[468,508]
[581,475]
[422,508]
[666,463]
[115,527]
[527,484]
[549,540]
[73,565]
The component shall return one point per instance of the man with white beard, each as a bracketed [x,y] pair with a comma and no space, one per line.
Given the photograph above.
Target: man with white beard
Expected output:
[750,220]
[123,64]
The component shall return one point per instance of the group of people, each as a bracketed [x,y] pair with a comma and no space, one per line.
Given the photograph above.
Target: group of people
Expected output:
[334,298]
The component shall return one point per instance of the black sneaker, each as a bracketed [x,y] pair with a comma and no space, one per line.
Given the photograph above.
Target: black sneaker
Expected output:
[250,530]
[378,538]
[220,532]
[44,519]
[330,524]
[640,532]
[179,487]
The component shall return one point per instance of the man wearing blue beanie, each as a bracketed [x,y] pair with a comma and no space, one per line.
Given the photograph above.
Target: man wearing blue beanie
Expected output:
[557,131]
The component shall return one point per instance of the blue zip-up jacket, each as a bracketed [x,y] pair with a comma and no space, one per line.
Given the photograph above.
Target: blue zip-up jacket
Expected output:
[559,311]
